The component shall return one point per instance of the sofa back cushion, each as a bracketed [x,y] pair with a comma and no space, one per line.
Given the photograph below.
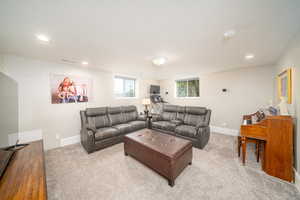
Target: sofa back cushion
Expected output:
[169,112]
[115,115]
[97,117]
[180,113]
[129,113]
[194,115]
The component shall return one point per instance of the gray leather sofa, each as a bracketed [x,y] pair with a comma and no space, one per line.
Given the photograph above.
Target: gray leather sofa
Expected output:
[105,126]
[188,122]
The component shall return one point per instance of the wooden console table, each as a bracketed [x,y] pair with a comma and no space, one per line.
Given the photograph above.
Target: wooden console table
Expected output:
[25,178]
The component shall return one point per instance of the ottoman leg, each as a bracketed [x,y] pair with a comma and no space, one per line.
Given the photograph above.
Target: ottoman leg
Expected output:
[171,183]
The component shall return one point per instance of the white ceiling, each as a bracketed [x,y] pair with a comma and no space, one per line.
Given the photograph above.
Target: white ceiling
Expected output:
[124,35]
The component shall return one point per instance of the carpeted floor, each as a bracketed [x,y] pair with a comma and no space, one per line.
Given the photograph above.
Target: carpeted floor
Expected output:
[216,173]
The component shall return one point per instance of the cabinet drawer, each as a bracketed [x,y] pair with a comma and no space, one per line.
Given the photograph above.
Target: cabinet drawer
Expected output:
[254,131]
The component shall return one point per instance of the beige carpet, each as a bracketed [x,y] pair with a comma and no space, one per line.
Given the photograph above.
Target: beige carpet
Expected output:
[216,173]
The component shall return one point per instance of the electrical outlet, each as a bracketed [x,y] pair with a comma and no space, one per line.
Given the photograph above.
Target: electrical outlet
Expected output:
[224,124]
[57,136]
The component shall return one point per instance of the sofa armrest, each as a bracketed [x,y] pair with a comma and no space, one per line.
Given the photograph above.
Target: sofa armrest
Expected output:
[86,135]
[90,128]
[206,121]
[87,139]
[201,125]
[202,130]
[203,135]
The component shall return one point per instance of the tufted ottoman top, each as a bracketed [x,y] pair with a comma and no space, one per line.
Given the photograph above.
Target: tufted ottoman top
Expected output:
[170,146]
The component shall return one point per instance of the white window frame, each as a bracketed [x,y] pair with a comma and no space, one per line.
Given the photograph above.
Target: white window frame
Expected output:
[127,78]
[186,79]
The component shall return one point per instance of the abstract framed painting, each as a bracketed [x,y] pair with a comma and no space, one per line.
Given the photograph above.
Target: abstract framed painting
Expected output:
[69,89]
[284,80]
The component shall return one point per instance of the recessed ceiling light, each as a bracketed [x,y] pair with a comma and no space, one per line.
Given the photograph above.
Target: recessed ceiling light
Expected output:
[43,38]
[159,61]
[249,56]
[229,34]
[84,63]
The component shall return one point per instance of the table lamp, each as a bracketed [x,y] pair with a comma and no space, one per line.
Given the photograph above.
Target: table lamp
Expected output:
[146,102]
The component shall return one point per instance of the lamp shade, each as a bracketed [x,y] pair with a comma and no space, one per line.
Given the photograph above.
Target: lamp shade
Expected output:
[146,102]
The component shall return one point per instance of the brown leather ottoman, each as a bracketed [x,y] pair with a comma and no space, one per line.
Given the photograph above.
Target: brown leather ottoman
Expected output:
[166,154]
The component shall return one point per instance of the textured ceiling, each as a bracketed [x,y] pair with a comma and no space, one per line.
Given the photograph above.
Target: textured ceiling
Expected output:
[124,35]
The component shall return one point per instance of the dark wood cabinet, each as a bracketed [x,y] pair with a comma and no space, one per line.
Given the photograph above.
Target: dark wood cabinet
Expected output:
[25,178]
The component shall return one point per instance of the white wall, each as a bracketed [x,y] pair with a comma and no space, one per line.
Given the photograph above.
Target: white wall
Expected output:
[291,59]
[9,121]
[248,90]
[35,108]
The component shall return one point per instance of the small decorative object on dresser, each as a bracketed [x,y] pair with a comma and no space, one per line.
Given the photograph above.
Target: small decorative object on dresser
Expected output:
[283,107]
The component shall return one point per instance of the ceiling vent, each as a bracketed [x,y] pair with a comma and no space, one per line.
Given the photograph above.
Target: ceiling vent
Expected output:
[72,62]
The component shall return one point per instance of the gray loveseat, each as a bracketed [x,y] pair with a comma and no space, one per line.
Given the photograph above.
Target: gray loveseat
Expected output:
[188,122]
[104,126]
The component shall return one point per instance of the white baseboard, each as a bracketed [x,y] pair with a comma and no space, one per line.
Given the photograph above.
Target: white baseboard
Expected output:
[70,140]
[25,137]
[297,180]
[225,131]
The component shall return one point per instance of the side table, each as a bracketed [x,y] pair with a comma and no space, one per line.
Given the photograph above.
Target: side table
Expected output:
[149,121]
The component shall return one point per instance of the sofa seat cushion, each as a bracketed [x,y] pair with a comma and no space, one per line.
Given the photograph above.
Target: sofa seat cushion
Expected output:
[164,125]
[186,130]
[124,128]
[104,133]
[177,122]
[136,125]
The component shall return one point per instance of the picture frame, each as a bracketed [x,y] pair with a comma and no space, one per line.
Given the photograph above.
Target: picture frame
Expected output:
[284,80]
[70,89]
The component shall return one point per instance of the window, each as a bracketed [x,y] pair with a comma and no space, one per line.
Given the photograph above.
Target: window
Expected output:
[124,87]
[187,88]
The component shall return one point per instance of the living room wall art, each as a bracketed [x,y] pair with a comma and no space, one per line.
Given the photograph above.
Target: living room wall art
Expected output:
[285,85]
[70,89]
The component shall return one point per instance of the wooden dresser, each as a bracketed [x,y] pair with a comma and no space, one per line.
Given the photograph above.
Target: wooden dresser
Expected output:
[277,134]
[25,178]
